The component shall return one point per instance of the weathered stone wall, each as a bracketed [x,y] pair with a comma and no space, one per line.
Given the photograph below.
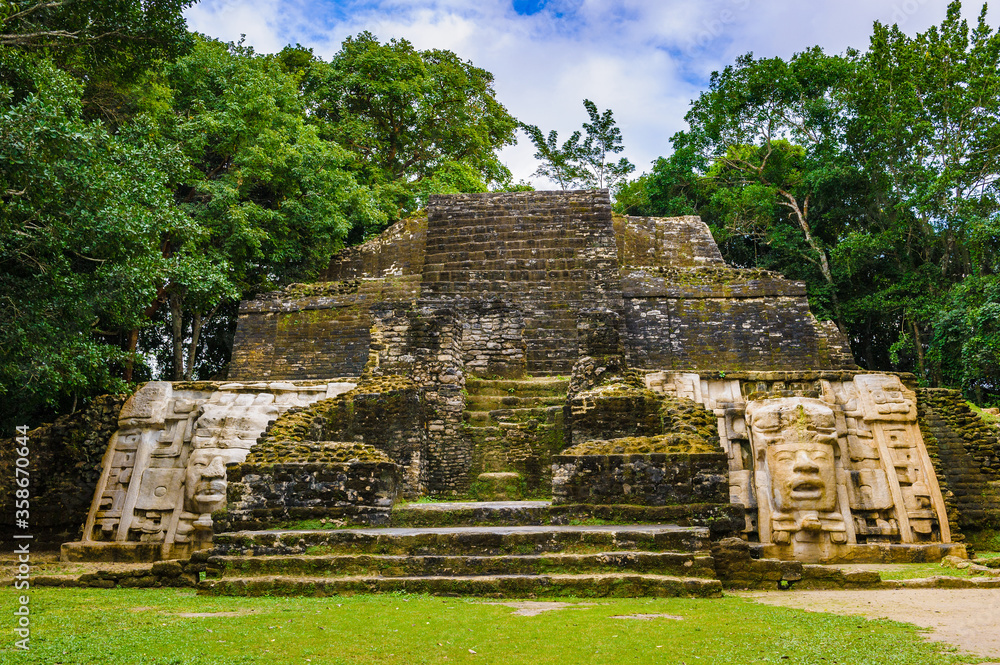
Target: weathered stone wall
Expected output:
[312,331]
[383,415]
[665,242]
[397,251]
[524,274]
[434,340]
[654,480]
[65,465]
[968,465]
[724,318]
[493,339]
[613,413]
[266,496]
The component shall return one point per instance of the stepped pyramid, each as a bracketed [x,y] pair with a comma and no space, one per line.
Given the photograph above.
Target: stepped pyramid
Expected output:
[523,345]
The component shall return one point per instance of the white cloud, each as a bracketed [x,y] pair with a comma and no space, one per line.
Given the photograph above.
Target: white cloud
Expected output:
[644,59]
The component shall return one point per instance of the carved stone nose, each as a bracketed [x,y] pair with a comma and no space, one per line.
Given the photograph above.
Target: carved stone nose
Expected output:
[805,463]
[215,470]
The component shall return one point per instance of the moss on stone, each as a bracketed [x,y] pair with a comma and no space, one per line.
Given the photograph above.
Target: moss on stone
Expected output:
[322,289]
[683,443]
[704,276]
[685,417]
[318,452]
[301,424]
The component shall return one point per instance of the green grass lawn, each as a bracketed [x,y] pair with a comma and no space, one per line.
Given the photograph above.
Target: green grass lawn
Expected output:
[131,626]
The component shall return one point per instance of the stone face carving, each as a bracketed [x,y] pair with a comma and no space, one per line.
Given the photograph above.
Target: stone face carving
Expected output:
[797,436]
[165,469]
[825,463]
[794,439]
[205,479]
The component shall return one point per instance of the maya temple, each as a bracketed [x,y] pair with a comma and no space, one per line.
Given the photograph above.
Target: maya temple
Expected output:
[532,345]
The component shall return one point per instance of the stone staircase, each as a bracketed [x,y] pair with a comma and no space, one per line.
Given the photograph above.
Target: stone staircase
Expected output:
[548,255]
[516,425]
[491,560]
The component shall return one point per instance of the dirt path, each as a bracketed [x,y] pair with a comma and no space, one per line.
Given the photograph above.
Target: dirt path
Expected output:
[966,618]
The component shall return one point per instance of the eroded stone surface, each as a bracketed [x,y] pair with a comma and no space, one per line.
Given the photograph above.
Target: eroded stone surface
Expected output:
[165,469]
[825,461]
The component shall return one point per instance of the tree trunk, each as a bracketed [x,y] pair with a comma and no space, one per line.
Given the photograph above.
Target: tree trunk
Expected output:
[177,332]
[133,342]
[919,347]
[824,264]
[196,323]
[133,335]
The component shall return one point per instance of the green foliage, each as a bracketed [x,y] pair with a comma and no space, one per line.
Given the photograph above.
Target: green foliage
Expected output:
[632,196]
[602,139]
[584,163]
[151,179]
[558,162]
[273,198]
[126,33]
[81,217]
[416,122]
[966,336]
[270,201]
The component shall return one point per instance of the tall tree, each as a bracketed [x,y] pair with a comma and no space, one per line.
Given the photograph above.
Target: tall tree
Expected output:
[137,30]
[602,139]
[772,132]
[558,162]
[927,130]
[884,163]
[583,160]
[82,212]
[417,122]
[271,200]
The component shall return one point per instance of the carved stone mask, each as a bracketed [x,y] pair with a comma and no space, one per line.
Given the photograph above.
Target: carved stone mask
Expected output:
[205,481]
[798,436]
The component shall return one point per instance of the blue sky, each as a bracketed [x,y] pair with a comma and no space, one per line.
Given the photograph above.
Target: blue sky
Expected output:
[644,59]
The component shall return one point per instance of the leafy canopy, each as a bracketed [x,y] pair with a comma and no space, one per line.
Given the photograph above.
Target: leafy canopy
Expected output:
[583,160]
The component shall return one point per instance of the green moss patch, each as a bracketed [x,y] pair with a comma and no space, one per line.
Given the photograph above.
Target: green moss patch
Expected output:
[691,420]
[296,425]
[323,289]
[322,452]
[644,445]
[705,276]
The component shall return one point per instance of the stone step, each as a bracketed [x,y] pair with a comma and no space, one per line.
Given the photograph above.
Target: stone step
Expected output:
[685,564]
[551,415]
[612,585]
[465,540]
[539,387]
[509,243]
[548,367]
[499,402]
[471,513]
[534,513]
[528,261]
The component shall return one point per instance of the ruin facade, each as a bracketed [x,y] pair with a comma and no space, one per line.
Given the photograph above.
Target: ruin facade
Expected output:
[407,364]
